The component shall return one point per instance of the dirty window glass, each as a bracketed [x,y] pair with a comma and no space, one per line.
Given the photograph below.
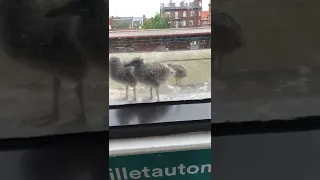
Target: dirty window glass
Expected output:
[161,52]
[49,50]
[275,74]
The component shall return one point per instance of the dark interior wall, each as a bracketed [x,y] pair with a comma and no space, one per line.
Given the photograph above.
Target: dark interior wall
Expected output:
[80,163]
[293,156]
[280,34]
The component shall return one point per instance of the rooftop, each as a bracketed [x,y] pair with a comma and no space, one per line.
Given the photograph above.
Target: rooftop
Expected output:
[160,32]
[168,6]
[204,14]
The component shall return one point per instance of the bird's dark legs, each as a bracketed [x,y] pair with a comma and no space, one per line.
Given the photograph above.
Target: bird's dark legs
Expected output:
[79,91]
[176,81]
[127,87]
[157,91]
[134,93]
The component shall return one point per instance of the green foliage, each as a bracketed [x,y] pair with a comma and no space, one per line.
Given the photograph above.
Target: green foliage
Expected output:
[157,22]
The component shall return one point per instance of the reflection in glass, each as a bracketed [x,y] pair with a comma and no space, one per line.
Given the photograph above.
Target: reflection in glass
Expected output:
[168,52]
[48,51]
[274,74]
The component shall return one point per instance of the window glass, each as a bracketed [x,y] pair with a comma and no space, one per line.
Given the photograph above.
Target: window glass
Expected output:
[52,79]
[168,58]
[191,22]
[184,14]
[266,59]
[191,13]
[184,22]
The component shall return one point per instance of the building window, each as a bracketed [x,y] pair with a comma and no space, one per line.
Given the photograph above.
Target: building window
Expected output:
[199,13]
[199,22]
[200,4]
[191,23]
[184,14]
[177,24]
[184,23]
[191,13]
[176,15]
[167,14]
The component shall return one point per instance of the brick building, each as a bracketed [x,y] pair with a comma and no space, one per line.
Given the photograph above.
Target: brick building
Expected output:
[209,15]
[183,14]
[204,18]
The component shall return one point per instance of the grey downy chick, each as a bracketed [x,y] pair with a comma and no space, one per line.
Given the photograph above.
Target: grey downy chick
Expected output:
[179,72]
[151,74]
[123,75]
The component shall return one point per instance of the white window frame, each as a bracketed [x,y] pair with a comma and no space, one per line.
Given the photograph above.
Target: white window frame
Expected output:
[176,14]
[184,14]
[191,13]
[184,23]
[191,22]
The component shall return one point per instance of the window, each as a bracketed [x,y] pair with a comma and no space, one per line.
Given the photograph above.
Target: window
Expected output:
[188,70]
[267,78]
[191,23]
[52,91]
[168,14]
[199,13]
[199,23]
[176,24]
[184,14]
[184,23]
[176,15]
[191,13]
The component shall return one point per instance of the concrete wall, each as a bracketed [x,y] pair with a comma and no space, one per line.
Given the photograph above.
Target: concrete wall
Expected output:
[279,33]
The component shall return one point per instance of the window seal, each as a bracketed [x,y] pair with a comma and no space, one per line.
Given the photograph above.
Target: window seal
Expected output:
[307,123]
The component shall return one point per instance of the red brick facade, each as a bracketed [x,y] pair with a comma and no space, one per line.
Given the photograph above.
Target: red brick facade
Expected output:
[209,16]
[184,16]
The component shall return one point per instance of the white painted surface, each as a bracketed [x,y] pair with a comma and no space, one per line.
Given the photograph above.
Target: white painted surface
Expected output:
[165,56]
[157,32]
[179,142]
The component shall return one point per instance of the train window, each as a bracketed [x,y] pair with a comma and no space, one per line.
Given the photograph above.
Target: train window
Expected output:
[266,58]
[165,61]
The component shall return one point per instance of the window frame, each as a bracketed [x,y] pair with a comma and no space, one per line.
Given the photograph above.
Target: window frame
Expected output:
[184,23]
[191,13]
[191,23]
[177,123]
[184,14]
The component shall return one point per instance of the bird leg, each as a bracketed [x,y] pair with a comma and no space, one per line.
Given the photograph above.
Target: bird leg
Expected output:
[54,115]
[134,92]
[157,91]
[176,81]
[127,92]
[79,91]
[151,93]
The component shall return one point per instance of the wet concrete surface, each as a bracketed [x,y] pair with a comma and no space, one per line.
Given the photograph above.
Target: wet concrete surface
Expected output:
[166,93]
[266,94]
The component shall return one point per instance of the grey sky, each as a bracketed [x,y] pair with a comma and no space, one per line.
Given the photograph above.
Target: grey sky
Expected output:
[138,8]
